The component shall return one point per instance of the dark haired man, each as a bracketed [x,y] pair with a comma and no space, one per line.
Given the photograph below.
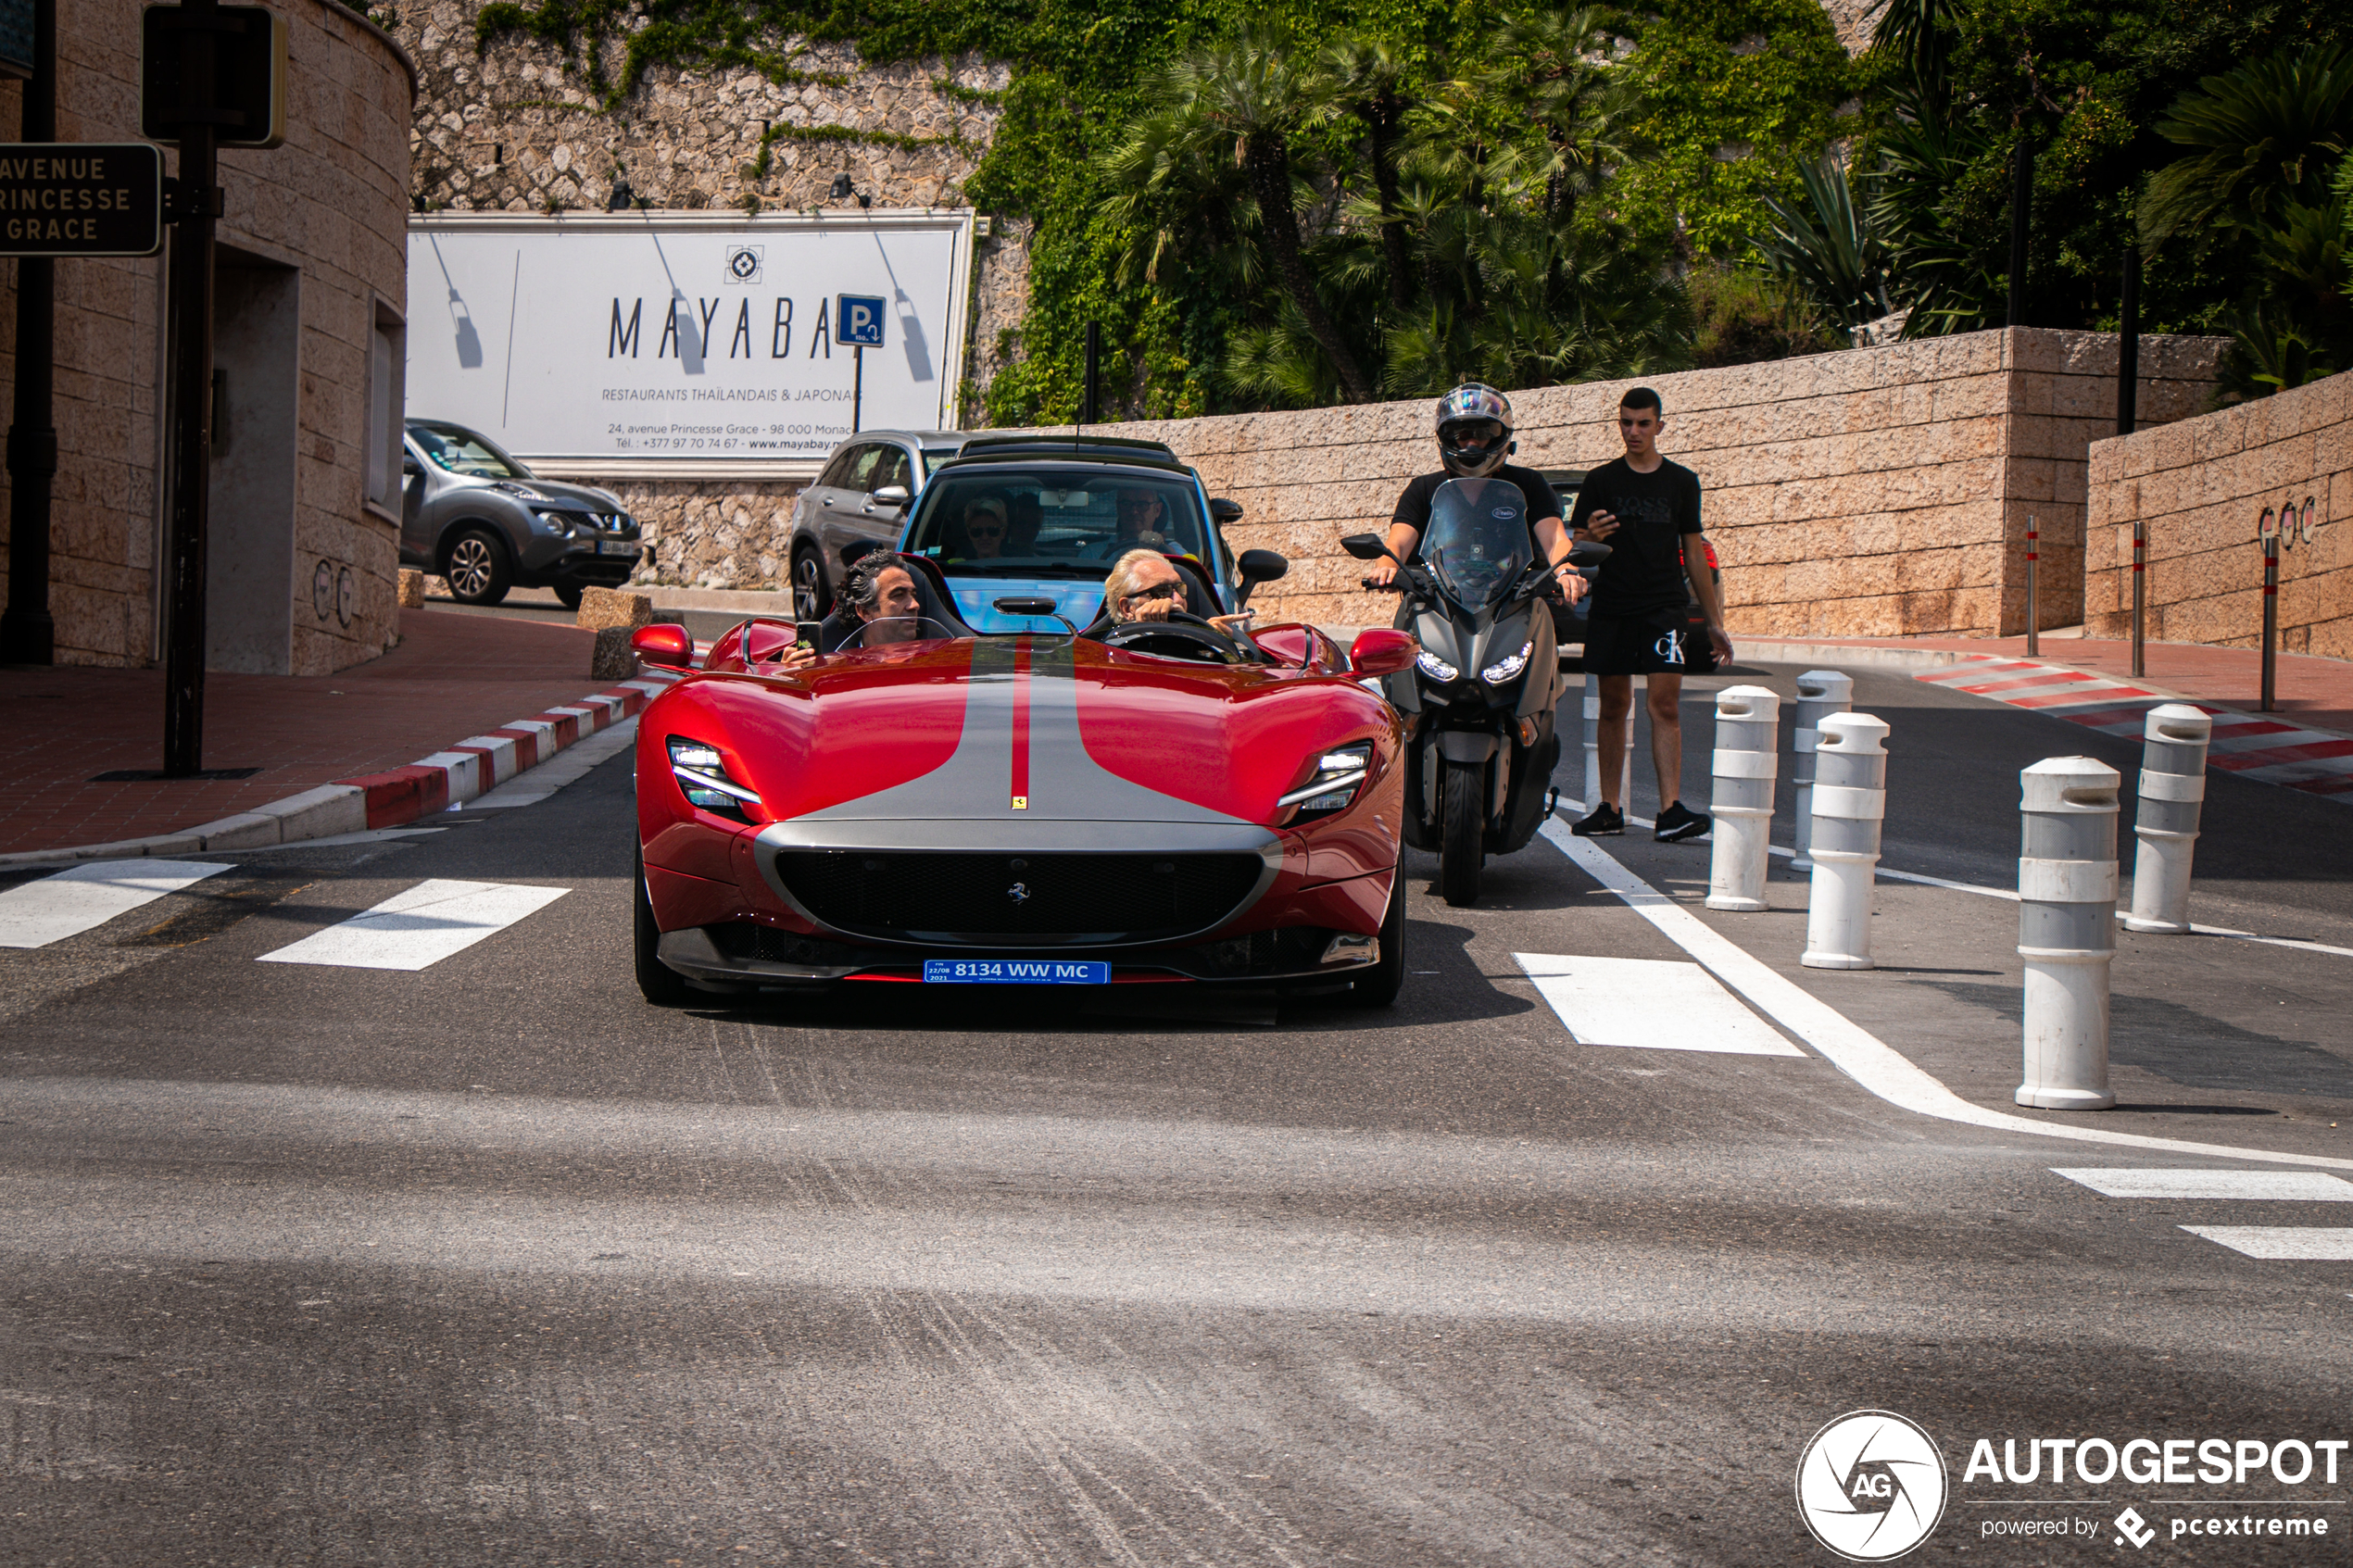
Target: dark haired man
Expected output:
[1647,510]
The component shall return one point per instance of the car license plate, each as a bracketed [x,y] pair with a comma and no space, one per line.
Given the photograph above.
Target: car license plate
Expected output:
[615,547]
[1015,972]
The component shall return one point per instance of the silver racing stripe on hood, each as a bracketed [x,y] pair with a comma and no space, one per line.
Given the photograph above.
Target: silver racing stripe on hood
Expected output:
[1069,800]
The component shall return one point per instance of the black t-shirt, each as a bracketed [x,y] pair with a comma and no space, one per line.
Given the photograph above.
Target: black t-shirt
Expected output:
[1655,511]
[1413,508]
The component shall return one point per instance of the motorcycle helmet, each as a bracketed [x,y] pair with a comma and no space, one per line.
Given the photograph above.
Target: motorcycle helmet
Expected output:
[1481,413]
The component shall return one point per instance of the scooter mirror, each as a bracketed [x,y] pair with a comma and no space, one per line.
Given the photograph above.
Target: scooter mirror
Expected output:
[1589,552]
[1366,546]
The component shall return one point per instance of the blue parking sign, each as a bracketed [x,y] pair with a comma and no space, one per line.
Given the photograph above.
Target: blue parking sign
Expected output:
[858,320]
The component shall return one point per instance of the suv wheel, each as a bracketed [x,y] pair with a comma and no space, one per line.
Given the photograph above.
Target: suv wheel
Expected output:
[477,570]
[568,595]
[809,594]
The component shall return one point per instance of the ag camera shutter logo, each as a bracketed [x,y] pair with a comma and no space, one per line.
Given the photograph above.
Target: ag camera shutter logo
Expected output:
[744,263]
[1871,1485]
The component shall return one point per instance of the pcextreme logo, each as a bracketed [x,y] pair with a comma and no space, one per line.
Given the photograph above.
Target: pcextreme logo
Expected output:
[1871,1485]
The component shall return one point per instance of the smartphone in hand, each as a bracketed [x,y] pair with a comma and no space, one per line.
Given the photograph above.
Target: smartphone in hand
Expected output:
[808,631]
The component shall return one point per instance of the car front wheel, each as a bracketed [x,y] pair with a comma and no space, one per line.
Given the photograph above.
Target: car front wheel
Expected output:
[568,595]
[477,571]
[660,983]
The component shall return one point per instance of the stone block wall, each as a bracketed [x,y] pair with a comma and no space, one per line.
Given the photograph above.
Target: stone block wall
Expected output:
[2199,488]
[699,534]
[1877,492]
[331,202]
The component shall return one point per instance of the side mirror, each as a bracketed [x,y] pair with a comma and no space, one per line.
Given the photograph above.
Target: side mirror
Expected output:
[891,495]
[1256,567]
[857,550]
[1222,512]
[664,645]
[1367,547]
[1380,651]
[409,465]
[1588,552]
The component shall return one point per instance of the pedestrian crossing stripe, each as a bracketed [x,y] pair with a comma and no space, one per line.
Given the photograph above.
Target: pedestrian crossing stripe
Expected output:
[418,928]
[1649,1004]
[2311,1244]
[34,914]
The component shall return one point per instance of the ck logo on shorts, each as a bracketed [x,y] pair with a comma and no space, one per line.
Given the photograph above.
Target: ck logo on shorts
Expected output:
[1669,647]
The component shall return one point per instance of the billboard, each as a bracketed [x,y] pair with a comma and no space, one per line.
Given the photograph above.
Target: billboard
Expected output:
[639,341]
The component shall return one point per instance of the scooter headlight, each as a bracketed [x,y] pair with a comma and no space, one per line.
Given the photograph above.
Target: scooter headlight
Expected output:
[1504,670]
[1435,667]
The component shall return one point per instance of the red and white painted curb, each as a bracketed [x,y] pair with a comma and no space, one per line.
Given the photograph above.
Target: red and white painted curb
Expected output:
[2253,746]
[450,777]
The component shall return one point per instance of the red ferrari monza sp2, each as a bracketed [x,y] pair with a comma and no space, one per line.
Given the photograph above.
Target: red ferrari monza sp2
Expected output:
[1140,807]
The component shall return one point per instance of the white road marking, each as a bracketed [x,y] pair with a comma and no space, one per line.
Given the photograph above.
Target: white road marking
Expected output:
[2311,1244]
[372,835]
[2010,894]
[1649,1004]
[419,927]
[37,913]
[2280,1187]
[534,784]
[1853,1049]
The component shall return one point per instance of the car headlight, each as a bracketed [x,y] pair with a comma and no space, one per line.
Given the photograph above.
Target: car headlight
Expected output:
[1434,667]
[523,492]
[1505,669]
[702,776]
[1339,773]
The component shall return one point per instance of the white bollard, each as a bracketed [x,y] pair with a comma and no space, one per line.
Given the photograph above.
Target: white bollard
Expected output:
[2066,929]
[1820,692]
[1747,757]
[1593,751]
[1850,800]
[2173,791]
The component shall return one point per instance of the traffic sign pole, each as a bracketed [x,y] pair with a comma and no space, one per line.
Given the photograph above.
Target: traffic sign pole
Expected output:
[858,321]
[857,383]
[27,634]
[191,287]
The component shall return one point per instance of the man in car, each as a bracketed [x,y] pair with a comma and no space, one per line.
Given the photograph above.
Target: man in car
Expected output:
[1648,510]
[1144,587]
[1140,512]
[880,592]
[984,528]
[1474,424]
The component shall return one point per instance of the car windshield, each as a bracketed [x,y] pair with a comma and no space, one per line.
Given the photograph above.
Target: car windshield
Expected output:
[1004,521]
[1477,546]
[459,450]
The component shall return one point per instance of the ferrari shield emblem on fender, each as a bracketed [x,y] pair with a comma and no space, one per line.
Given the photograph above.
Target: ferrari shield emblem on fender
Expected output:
[1021,803]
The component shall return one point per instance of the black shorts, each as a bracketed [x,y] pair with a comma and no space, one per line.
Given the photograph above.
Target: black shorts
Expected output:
[1668,642]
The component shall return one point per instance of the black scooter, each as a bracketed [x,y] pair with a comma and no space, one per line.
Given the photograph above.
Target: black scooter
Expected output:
[1478,699]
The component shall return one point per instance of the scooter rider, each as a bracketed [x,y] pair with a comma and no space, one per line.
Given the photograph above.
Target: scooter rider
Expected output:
[1474,428]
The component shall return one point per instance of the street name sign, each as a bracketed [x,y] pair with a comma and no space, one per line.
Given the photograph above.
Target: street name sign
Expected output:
[80,198]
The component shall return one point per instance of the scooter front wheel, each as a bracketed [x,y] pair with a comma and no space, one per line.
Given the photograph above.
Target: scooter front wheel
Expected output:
[1462,840]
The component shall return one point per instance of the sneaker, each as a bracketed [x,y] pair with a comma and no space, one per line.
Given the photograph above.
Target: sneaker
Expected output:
[1675,824]
[1605,820]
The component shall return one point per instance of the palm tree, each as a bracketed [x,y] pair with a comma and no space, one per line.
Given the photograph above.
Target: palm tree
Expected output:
[1242,93]
[1828,247]
[2268,134]
[1371,81]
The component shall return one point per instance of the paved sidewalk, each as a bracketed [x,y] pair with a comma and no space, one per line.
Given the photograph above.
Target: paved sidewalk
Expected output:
[451,677]
[2313,693]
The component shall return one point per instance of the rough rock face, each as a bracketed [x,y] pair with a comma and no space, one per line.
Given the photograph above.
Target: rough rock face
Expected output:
[703,534]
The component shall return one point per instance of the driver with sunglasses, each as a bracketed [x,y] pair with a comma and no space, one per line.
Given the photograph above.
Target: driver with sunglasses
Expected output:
[1143,586]
[1474,439]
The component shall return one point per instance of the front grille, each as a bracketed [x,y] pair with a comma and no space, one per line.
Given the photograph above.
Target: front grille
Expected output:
[1040,898]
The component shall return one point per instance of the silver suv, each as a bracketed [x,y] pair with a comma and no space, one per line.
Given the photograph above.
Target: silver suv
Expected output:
[862,496]
[481,520]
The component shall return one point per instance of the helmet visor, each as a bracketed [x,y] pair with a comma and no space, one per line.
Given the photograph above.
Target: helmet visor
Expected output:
[1471,433]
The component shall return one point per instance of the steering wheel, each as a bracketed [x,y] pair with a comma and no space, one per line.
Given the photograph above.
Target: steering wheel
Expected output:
[1189,636]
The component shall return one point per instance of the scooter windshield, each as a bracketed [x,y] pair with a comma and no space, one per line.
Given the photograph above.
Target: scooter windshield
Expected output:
[1477,546]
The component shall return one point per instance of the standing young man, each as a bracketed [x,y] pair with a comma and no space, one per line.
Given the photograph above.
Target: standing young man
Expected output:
[1647,510]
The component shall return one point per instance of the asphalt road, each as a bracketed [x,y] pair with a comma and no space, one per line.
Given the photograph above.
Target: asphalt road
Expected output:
[490,1263]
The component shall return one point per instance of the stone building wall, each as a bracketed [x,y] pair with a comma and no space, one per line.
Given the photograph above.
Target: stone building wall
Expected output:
[2199,488]
[328,210]
[1876,491]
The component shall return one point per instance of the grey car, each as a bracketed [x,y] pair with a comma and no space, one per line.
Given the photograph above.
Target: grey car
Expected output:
[485,524]
[860,496]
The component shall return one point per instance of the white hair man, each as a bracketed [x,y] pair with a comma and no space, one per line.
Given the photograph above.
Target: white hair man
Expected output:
[1144,587]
